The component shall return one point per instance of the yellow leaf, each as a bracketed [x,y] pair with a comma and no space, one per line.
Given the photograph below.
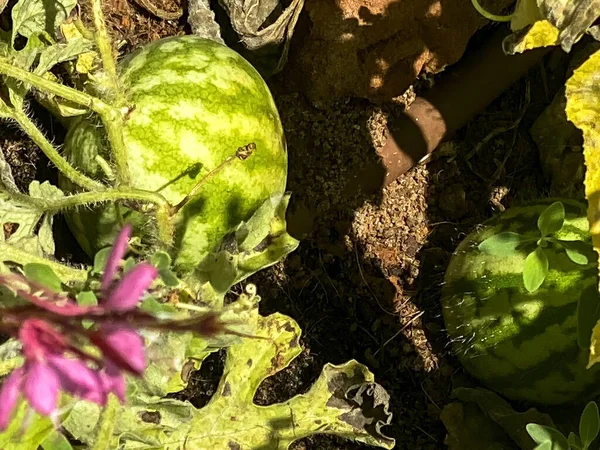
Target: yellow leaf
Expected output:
[594,346]
[85,62]
[583,109]
[541,34]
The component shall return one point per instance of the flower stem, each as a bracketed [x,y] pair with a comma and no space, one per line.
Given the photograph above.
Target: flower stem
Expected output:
[50,151]
[16,255]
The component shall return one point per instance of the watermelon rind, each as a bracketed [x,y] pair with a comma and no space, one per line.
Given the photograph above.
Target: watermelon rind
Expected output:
[196,102]
[522,344]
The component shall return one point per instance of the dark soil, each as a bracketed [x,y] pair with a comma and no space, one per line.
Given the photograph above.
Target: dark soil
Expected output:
[365,281]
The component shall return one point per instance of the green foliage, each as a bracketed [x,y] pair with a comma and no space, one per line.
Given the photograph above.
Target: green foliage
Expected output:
[550,438]
[550,223]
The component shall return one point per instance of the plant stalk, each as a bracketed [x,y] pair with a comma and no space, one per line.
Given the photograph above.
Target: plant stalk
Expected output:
[50,151]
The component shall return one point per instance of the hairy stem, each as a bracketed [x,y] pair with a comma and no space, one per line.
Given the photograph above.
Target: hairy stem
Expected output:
[106,51]
[115,122]
[57,204]
[51,87]
[16,255]
[50,151]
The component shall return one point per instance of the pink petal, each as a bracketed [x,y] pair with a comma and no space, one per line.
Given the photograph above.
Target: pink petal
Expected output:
[41,386]
[114,381]
[123,346]
[40,339]
[131,287]
[118,251]
[9,395]
[78,379]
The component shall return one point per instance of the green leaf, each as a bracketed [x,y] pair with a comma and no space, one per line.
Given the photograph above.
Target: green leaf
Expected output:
[535,269]
[38,429]
[542,434]
[37,16]
[577,251]
[161,260]
[261,244]
[588,314]
[56,441]
[168,277]
[58,53]
[548,445]
[44,275]
[100,260]
[574,441]
[589,424]
[551,219]
[478,409]
[502,244]
[86,298]
[10,356]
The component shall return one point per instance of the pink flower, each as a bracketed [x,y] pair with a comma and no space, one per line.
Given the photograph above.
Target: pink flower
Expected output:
[46,371]
[121,343]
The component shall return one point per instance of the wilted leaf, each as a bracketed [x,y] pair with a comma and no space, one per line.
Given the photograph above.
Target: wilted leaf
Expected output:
[572,17]
[540,34]
[264,27]
[38,16]
[583,98]
[555,22]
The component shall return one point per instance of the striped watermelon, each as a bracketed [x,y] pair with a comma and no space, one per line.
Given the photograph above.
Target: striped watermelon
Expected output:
[196,102]
[521,344]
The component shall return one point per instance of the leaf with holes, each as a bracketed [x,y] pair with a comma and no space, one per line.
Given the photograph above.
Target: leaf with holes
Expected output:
[344,401]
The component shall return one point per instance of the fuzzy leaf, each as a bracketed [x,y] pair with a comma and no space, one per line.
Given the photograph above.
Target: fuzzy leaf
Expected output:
[38,16]
[551,219]
[576,251]
[502,244]
[589,424]
[535,269]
